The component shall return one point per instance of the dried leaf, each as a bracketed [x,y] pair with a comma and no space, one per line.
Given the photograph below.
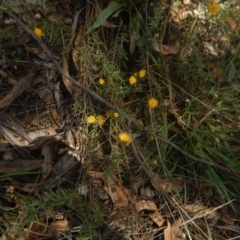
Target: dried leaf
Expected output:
[167,185]
[145,205]
[19,165]
[67,83]
[231,23]
[60,171]
[58,226]
[48,161]
[169,49]
[78,43]
[173,232]
[165,49]
[157,218]
[115,192]
[199,210]
[18,89]
[35,50]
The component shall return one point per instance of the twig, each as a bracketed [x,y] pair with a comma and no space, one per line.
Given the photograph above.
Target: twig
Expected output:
[152,178]
[59,68]
[228,169]
[100,99]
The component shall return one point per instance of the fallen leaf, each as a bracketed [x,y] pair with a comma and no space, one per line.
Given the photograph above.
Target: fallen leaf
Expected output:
[69,85]
[145,205]
[199,210]
[231,23]
[48,160]
[157,218]
[19,165]
[173,232]
[166,49]
[115,192]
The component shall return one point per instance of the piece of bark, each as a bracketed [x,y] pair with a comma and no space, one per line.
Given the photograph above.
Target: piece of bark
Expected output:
[18,89]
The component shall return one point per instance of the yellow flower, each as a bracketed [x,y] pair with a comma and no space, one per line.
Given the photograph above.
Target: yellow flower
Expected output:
[116,115]
[38,32]
[155,162]
[91,119]
[152,102]
[124,138]
[132,80]
[142,73]
[151,138]
[110,113]
[101,81]
[213,8]
[101,119]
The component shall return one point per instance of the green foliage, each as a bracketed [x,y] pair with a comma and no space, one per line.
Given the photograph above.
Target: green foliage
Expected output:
[104,15]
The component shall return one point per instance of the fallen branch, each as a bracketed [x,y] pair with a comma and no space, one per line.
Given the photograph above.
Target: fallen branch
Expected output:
[59,68]
[17,90]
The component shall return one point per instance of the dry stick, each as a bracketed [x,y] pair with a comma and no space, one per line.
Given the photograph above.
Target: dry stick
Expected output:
[229,169]
[59,68]
[150,175]
[100,99]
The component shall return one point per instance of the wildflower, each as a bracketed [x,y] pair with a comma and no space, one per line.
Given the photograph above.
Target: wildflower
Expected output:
[155,162]
[91,119]
[132,80]
[152,102]
[101,81]
[135,74]
[124,138]
[101,119]
[116,115]
[38,32]
[142,73]
[213,8]
[151,138]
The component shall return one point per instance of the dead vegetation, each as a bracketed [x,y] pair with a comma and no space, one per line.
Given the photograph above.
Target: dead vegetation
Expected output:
[119,120]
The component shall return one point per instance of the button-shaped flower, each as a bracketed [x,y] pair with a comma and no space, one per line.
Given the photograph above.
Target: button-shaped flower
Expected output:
[101,81]
[152,102]
[132,80]
[38,32]
[142,73]
[91,119]
[213,8]
[124,138]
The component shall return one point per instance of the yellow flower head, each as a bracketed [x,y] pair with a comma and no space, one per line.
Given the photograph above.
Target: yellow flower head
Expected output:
[213,8]
[101,81]
[124,138]
[142,73]
[116,114]
[91,119]
[151,138]
[152,102]
[38,32]
[155,162]
[101,119]
[132,80]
